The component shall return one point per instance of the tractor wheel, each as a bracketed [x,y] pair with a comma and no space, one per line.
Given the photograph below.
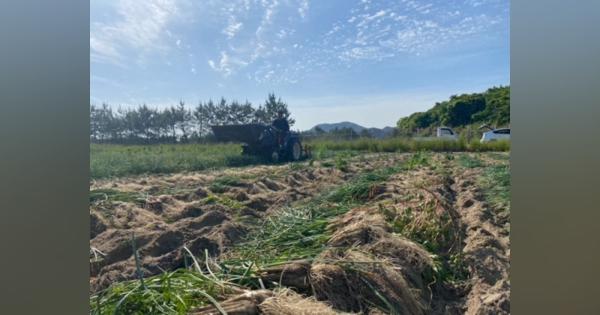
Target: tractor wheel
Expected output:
[296,153]
[275,156]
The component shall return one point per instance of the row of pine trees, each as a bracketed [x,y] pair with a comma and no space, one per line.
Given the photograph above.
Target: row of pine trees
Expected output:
[177,123]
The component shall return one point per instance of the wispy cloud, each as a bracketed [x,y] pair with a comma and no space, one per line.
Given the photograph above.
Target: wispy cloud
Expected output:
[104,51]
[303,8]
[257,44]
[141,27]
[232,28]
[253,35]
[226,65]
[409,27]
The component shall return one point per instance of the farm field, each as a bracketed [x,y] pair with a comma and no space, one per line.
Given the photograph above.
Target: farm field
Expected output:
[354,230]
[109,160]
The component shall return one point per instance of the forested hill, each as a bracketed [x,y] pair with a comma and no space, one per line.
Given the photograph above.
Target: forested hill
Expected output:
[490,107]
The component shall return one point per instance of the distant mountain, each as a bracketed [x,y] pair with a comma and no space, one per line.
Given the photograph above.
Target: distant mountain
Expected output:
[381,133]
[374,132]
[341,125]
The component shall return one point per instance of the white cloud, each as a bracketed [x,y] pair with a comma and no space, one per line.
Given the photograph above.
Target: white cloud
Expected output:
[226,65]
[478,3]
[232,29]
[104,51]
[270,11]
[376,15]
[370,31]
[377,34]
[303,9]
[141,27]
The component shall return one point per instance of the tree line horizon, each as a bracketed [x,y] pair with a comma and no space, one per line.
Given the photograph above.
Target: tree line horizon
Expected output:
[174,124]
[178,123]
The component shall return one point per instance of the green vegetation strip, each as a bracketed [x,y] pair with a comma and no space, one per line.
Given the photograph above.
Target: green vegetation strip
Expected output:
[323,147]
[469,162]
[301,232]
[222,183]
[107,161]
[496,185]
[124,160]
[169,293]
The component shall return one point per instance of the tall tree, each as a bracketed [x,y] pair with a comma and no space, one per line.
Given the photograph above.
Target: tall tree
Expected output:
[182,120]
[272,106]
[201,116]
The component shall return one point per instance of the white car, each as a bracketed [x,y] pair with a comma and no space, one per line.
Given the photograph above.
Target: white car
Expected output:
[446,133]
[496,134]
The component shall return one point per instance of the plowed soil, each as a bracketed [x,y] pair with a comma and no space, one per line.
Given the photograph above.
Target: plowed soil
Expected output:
[431,219]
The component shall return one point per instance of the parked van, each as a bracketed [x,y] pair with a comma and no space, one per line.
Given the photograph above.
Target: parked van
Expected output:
[496,134]
[446,133]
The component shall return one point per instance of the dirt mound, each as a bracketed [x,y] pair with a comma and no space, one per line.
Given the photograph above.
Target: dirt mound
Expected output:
[97,224]
[291,275]
[358,279]
[290,303]
[413,258]
[160,249]
[211,218]
[258,204]
[190,211]
[282,302]
[330,283]
[243,304]
[358,227]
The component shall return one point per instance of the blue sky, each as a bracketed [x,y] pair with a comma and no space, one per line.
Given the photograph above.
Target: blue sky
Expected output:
[366,61]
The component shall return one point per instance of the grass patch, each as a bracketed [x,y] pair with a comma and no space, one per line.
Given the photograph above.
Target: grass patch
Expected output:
[222,184]
[418,159]
[301,232]
[496,184]
[108,160]
[297,166]
[467,161]
[341,162]
[327,164]
[498,156]
[323,147]
[222,200]
[425,227]
[357,191]
[169,293]
[435,233]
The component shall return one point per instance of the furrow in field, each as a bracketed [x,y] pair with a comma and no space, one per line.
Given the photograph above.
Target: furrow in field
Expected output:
[203,211]
[486,249]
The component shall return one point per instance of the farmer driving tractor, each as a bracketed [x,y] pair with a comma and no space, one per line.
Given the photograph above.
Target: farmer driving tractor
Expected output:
[281,125]
[274,141]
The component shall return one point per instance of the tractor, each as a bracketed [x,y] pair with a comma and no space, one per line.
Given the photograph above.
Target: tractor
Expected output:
[263,140]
